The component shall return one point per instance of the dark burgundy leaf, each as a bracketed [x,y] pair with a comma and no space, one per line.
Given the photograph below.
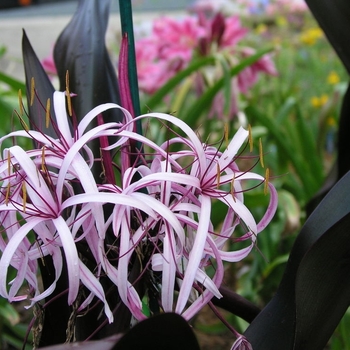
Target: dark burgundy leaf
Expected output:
[43,87]
[81,50]
[165,331]
[315,281]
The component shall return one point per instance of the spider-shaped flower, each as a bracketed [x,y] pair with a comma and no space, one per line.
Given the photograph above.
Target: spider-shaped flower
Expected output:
[152,227]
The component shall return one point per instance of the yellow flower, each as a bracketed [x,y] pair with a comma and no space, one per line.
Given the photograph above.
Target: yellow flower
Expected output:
[281,21]
[315,102]
[261,28]
[310,36]
[318,102]
[331,121]
[333,78]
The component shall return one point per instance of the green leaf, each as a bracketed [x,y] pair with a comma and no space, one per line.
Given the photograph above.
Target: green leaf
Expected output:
[13,83]
[315,290]
[286,147]
[15,342]
[9,313]
[204,102]
[344,327]
[308,145]
[3,50]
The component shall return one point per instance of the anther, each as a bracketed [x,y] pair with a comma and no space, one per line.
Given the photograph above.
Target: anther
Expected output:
[47,114]
[20,102]
[250,138]
[32,91]
[261,153]
[24,197]
[43,165]
[233,188]
[8,190]
[23,123]
[226,134]
[69,101]
[266,183]
[217,175]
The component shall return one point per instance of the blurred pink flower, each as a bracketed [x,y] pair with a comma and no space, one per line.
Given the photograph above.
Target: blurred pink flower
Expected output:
[152,72]
[48,64]
[233,33]
[177,39]
[169,49]
[175,42]
[249,76]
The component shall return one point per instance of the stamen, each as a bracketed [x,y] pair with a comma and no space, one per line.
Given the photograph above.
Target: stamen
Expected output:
[69,101]
[23,123]
[24,198]
[47,114]
[226,134]
[43,165]
[250,138]
[261,153]
[218,175]
[266,184]
[32,92]
[8,190]
[20,102]
[233,187]
[41,252]
[102,164]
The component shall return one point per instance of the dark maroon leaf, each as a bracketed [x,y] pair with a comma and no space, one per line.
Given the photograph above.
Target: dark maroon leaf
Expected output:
[43,87]
[323,287]
[236,304]
[315,290]
[81,50]
[165,331]
[168,331]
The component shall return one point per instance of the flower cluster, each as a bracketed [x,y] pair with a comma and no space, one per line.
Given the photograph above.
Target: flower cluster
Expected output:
[286,6]
[173,43]
[154,222]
